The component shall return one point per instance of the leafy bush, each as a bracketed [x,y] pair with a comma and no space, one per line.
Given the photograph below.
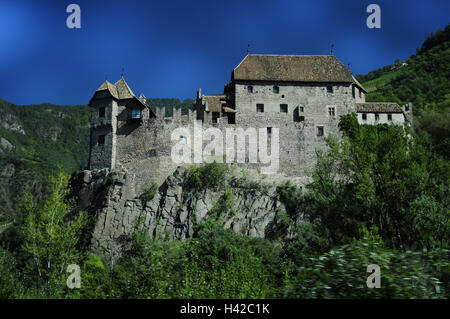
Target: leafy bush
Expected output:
[206,175]
[342,273]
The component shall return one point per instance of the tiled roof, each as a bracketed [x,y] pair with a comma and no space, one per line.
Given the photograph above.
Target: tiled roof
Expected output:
[119,90]
[110,87]
[123,89]
[358,84]
[213,103]
[296,68]
[378,107]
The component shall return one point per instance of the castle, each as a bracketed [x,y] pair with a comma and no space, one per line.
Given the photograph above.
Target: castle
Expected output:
[301,95]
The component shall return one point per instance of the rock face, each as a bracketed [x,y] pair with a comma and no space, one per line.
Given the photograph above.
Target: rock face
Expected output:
[10,122]
[173,211]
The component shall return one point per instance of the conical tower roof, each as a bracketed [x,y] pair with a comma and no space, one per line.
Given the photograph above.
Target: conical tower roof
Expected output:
[123,89]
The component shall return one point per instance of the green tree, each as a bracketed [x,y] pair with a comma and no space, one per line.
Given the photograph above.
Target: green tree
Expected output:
[384,176]
[51,234]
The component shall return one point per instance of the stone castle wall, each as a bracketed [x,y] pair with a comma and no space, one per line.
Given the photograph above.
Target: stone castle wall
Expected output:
[144,148]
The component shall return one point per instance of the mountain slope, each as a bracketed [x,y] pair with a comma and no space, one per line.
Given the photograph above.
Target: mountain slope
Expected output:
[34,140]
[423,79]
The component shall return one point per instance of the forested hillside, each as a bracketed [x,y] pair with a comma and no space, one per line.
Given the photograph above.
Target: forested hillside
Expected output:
[424,80]
[35,139]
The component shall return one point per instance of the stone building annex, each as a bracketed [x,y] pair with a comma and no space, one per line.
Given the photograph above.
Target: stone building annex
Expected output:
[302,95]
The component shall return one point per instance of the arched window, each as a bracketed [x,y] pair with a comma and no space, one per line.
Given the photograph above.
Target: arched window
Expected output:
[250,89]
[276,89]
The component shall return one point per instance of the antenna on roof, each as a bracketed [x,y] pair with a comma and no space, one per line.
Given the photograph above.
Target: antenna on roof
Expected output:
[248,49]
[123,71]
[332,49]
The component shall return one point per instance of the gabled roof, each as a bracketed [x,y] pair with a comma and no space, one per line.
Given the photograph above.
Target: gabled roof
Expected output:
[295,68]
[355,81]
[120,90]
[378,107]
[108,87]
[123,89]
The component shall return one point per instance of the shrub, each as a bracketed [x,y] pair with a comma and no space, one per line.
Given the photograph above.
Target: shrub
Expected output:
[206,175]
[149,192]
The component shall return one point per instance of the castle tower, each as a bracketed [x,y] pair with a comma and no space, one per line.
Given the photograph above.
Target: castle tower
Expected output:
[103,120]
[114,111]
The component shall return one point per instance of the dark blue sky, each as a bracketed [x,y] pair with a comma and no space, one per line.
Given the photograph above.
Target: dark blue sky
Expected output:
[170,48]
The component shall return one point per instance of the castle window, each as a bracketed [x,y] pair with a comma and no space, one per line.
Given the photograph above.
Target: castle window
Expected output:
[269,131]
[276,89]
[101,140]
[364,116]
[302,119]
[353,91]
[302,109]
[283,108]
[250,89]
[331,111]
[259,108]
[320,131]
[135,114]
[329,89]
[377,117]
[389,117]
[101,112]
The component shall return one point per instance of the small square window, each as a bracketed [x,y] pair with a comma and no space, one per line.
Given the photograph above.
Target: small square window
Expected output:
[329,89]
[364,116]
[389,117]
[331,111]
[377,117]
[101,112]
[135,114]
[301,118]
[320,131]
[101,140]
[276,89]
[250,89]
[259,108]
[283,108]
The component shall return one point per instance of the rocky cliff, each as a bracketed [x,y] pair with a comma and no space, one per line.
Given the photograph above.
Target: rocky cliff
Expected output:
[247,204]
